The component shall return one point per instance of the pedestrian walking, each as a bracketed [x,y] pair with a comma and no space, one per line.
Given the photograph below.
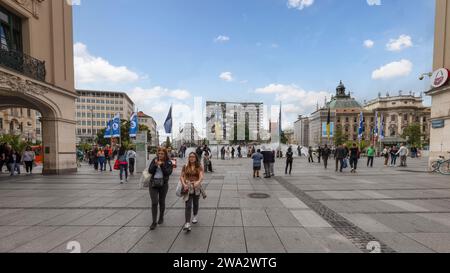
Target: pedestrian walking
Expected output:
[403,153]
[385,154]
[191,179]
[101,159]
[199,152]
[257,159]
[233,151]
[2,156]
[239,149]
[108,157]
[299,150]
[160,169]
[222,153]
[131,154]
[28,159]
[123,164]
[326,152]
[340,155]
[319,153]
[14,160]
[394,153]
[354,157]
[289,160]
[310,155]
[228,153]
[207,164]
[370,156]
[268,158]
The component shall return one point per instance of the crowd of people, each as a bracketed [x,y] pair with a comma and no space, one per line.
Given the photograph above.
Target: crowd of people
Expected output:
[14,159]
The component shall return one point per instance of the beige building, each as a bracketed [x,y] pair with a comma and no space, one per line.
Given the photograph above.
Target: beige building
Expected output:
[95,108]
[37,72]
[188,136]
[440,110]
[151,124]
[22,122]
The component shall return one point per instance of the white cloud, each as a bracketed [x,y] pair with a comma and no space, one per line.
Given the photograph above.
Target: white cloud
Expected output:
[369,43]
[226,76]
[374,2]
[392,70]
[147,96]
[92,69]
[404,41]
[299,4]
[297,100]
[222,39]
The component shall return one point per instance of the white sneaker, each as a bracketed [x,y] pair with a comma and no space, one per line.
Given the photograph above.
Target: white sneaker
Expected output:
[195,220]
[187,227]
[121,181]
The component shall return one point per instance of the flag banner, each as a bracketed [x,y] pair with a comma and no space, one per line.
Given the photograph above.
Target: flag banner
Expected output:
[168,122]
[329,123]
[382,133]
[134,125]
[328,130]
[108,133]
[116,126]
[361,126]
[375,130]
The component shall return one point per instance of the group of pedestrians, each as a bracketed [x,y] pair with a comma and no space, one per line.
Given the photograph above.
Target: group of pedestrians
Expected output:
[394,152]
[13,160]
[191,180]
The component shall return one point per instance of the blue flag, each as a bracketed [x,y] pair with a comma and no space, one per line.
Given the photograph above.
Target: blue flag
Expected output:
[361,126]
[168,123]
[116,126]
[382,127]
[134,125]
[108,129]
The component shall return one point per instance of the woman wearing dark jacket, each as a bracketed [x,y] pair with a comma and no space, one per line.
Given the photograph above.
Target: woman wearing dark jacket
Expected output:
[160,168]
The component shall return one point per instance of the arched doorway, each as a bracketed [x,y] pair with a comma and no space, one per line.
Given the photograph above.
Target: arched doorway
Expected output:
[57,108]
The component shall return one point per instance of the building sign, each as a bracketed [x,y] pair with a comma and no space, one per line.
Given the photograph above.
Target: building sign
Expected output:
[439,78]
[324,130]
[438,124]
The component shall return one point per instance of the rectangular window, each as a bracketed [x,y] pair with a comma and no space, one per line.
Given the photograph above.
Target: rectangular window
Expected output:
[1,124]
[10,31]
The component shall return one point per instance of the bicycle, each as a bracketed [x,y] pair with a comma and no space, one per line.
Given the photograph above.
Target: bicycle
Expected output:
[441,166]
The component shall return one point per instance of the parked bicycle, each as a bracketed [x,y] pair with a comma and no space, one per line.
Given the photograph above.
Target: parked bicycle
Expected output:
[441,166]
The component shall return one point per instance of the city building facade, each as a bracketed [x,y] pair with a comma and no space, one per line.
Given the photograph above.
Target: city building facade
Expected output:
[188,136]
[230,122]
[398,112]
[440,110]
[37,72]
[95,108]
[150,122]
[301,131]
[21,122]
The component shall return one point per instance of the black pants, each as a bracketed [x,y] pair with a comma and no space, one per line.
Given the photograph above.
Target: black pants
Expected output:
[108,161]
[370,161]
[131,165]
[2,162]
[325,161]
[341,162]
[158,196]
[289,166]
[29,166]
[318,159]
[311,159]
[354,163]
[96,163]
[193,199]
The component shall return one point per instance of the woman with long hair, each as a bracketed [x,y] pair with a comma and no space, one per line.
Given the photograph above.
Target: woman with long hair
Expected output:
[160,169]
[191,179]
[28,158]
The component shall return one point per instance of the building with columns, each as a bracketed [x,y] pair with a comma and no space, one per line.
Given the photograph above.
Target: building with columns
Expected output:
[440,109]
[398,112]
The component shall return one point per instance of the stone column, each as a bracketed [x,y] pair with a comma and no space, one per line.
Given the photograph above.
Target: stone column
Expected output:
[58,136]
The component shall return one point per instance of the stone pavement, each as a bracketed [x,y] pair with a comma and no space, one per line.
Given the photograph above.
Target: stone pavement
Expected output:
[314,210]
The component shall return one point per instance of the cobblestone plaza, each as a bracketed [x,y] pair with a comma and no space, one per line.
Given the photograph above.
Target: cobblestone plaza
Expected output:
[314,210]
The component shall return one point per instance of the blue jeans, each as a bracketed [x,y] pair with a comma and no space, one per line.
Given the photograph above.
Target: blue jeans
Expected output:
[123,168]
[102,163]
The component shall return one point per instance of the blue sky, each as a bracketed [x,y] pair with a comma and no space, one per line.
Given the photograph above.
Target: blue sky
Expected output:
[170,51]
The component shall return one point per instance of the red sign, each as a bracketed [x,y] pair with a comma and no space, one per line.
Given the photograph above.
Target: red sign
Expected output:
[440,77]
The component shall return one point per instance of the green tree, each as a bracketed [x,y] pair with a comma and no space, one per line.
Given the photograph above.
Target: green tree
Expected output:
[168,143]
[339,137]
[413,134]
[283,138]
[15,142]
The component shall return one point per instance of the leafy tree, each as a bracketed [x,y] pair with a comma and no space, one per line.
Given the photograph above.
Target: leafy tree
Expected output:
[413,134]
[283,138]
[339,137]
[168,143]
[15,142]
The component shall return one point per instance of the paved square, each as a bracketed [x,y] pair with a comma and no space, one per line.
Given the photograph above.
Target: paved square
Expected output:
[314,210]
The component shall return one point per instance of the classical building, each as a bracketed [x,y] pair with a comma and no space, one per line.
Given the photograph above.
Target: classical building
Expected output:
[151,124]
[301,131]
[228,122]
[440,110]
[95,108]
[22,122]
[188,136]
[398,112]
[37,72]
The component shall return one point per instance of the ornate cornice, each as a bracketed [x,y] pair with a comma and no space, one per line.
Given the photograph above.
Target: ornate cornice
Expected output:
[31,6]
[21,85]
